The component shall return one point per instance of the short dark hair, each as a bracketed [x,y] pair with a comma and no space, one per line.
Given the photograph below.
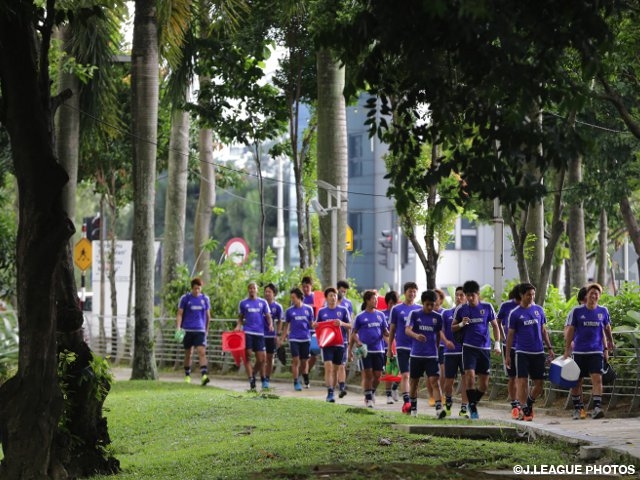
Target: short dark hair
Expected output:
[409,285]
[297,292]
[196,281]
[329,290]
[391,297]
[271,287]
[306,279]
[525,287]
[514,293]
[582,294]
[428,296]
[459,289]
[368,295]
[342,284]
[470,286]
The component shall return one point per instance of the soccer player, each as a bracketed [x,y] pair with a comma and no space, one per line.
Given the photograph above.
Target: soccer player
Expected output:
[253,311]
[391,388]
[298,319]
[588,327]
[474,318]
[527,333]
[271,337]
[453,359]
[438,308]
[424,327]
[370,328]
[333,355]
[503,316]
[397,325]
[309,299]
[194,315]
[343,301]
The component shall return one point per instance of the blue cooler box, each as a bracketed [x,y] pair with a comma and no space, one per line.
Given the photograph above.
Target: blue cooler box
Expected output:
[564,372]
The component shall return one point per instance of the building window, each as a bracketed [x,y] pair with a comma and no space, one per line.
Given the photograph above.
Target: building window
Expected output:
[468,235]
[355,155]
[355,222]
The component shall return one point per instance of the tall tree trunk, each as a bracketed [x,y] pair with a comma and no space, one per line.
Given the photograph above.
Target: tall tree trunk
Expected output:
[144,83]
[603,243]
[575,229]
[261,229]
[332,160]
[68,128]
[557,229]
[518,235]
[206,202]
[433,254]
[176,203]
[632,225]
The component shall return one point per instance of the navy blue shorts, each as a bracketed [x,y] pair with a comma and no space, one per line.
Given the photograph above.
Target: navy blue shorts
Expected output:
[300,349]
[403,359]
[270,344]
[453,365]
[476,359]
[511,372]
[374,361]
[589,363]
[530,365]
[441,354]
[194,339]
[333,354]
[254,342]
[345,353]
[421,366]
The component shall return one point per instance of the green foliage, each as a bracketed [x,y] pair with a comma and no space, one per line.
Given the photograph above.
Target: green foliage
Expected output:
[556,308]
[8,344]
[8,235]
[229,284]
[101,376]
[220,434]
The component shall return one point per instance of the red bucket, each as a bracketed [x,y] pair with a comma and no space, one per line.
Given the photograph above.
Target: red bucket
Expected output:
[232,341]
[329,335]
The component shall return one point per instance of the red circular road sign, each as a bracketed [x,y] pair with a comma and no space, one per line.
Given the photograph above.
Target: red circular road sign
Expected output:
[236,250]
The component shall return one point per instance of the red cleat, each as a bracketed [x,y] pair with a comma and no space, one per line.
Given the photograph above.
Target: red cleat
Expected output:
[406,408]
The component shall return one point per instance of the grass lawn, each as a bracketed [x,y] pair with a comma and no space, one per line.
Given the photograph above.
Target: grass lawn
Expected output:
[176,431]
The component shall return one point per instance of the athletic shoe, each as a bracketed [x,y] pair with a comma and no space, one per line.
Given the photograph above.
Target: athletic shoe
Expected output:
[440,413]
[307,386]
[474,415]
[204,380]
[583,414]
[406,408]
[187,379]
[528,416]
[463,413]
[252,384]
[265,384]
[515,413]
[394,395]
[389,400]
[597,413]
[331,398]
[576,414]
[342,393]
[297,387]
[369,403]
[520,414]
[432,402]
[414,413]
[447,409]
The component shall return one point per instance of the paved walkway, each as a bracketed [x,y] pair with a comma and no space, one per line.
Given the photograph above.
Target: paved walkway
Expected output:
[618,435]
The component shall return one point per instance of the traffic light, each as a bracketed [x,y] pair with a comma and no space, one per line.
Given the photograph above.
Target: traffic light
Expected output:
[93,225]
[386,241]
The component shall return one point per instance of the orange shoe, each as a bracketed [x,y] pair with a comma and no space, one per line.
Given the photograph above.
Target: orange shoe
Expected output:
[515,413]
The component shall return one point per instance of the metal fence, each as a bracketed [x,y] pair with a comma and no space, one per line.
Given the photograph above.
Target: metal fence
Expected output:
[622,395]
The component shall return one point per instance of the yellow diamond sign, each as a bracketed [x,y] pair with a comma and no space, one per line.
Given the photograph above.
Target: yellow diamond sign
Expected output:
[82,254]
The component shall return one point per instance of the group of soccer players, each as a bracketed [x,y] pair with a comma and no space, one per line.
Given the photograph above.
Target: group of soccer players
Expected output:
[426,340]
